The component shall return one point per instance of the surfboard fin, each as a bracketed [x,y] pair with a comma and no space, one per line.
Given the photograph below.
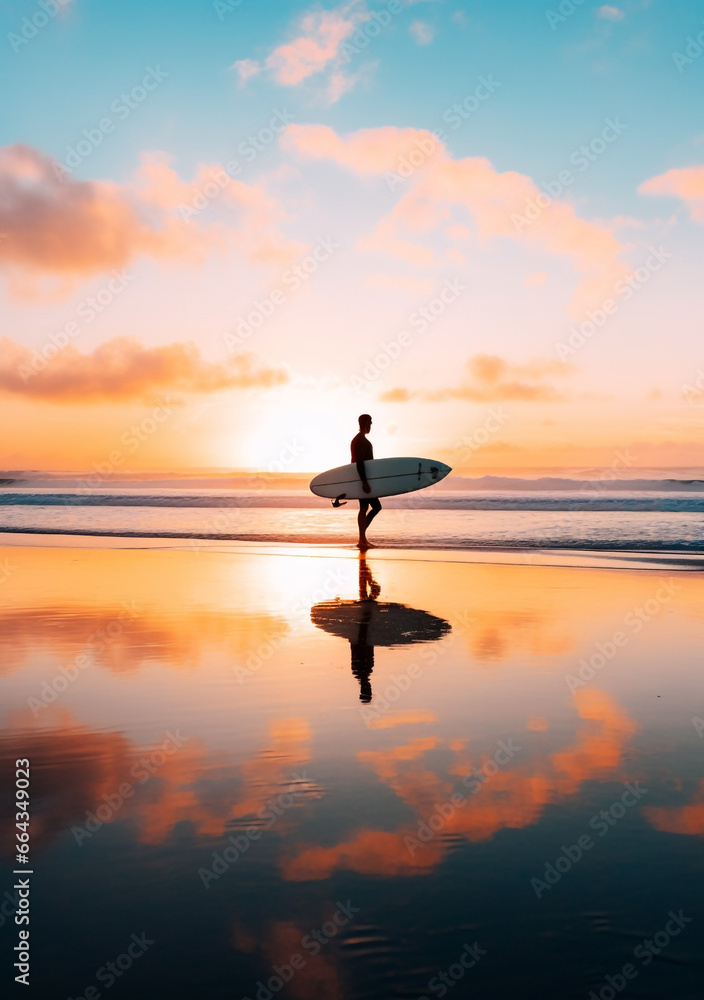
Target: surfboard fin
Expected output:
[338,501]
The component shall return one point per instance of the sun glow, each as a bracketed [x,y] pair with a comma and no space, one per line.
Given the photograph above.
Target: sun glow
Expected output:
[287,437]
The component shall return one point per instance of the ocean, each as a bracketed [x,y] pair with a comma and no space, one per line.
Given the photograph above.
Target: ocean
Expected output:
[657,512]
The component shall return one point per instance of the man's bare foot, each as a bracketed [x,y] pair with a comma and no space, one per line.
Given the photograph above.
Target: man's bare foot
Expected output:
[363,545]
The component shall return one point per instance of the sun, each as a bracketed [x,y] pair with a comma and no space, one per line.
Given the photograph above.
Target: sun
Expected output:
[287,437]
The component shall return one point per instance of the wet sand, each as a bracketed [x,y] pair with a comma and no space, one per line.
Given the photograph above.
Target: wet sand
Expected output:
[234,746]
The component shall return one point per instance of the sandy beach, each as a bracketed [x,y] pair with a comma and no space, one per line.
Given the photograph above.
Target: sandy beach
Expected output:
[200,750]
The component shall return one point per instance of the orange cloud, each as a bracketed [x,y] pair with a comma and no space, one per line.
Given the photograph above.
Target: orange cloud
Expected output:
[686,183]
[60,630]
[438,184]
[687,819]
[73,767]
[122,369]
[367,151]
[315,50]
[493,379]
[315,980]
[65,228]
[513,797]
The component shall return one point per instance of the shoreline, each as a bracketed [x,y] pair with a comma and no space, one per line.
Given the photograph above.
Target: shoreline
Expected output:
[616,559]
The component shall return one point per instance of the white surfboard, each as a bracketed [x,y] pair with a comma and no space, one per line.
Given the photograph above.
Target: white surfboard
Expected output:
[388,477]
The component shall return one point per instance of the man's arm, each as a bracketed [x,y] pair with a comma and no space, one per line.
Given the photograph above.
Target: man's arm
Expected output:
[359,462]
[363,476]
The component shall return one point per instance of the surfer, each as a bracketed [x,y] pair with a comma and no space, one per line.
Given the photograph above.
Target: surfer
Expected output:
[362,452]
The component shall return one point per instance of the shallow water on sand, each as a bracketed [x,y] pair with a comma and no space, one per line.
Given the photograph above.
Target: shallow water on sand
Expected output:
[302,776]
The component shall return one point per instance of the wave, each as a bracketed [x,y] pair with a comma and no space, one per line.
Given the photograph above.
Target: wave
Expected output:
[451,542]
[622,500]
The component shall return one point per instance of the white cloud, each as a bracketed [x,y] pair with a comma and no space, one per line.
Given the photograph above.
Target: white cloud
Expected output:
[422,32]
[610,13]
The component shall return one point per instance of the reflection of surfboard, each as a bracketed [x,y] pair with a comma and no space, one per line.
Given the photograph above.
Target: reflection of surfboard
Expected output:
[375,623]
[387,477]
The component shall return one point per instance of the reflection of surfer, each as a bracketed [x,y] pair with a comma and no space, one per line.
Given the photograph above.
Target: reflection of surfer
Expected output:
[362,651]
[368,622]
[362,452]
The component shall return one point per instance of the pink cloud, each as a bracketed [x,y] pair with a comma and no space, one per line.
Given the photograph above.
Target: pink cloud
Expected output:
[69,229]
[438,186]
[317,49]
[490,378]
[686,183]
[123,369]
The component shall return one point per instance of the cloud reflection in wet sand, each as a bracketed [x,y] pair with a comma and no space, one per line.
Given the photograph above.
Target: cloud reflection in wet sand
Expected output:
[513,798]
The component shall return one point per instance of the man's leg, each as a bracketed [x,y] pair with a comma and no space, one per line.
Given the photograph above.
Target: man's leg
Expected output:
[362,522]
[375,506]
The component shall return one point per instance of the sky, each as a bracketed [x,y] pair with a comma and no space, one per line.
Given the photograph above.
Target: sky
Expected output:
[227,228]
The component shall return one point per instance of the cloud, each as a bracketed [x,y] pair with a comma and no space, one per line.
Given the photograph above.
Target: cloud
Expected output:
[608,13]
[398,395]
[490,378]
[514,798]
[423,32]
[123,369]
[400,283]
[535,280]
[317,49]
[440,187]
[686,183]
[247,68]
[69,229]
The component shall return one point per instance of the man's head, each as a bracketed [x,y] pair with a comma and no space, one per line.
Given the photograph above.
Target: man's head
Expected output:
[365,423]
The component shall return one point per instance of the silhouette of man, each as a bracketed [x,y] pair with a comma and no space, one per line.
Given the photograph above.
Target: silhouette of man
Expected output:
[362,452]
[362,653]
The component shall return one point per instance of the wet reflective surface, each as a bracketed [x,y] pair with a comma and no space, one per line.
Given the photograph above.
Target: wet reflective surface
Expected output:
[314,777]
